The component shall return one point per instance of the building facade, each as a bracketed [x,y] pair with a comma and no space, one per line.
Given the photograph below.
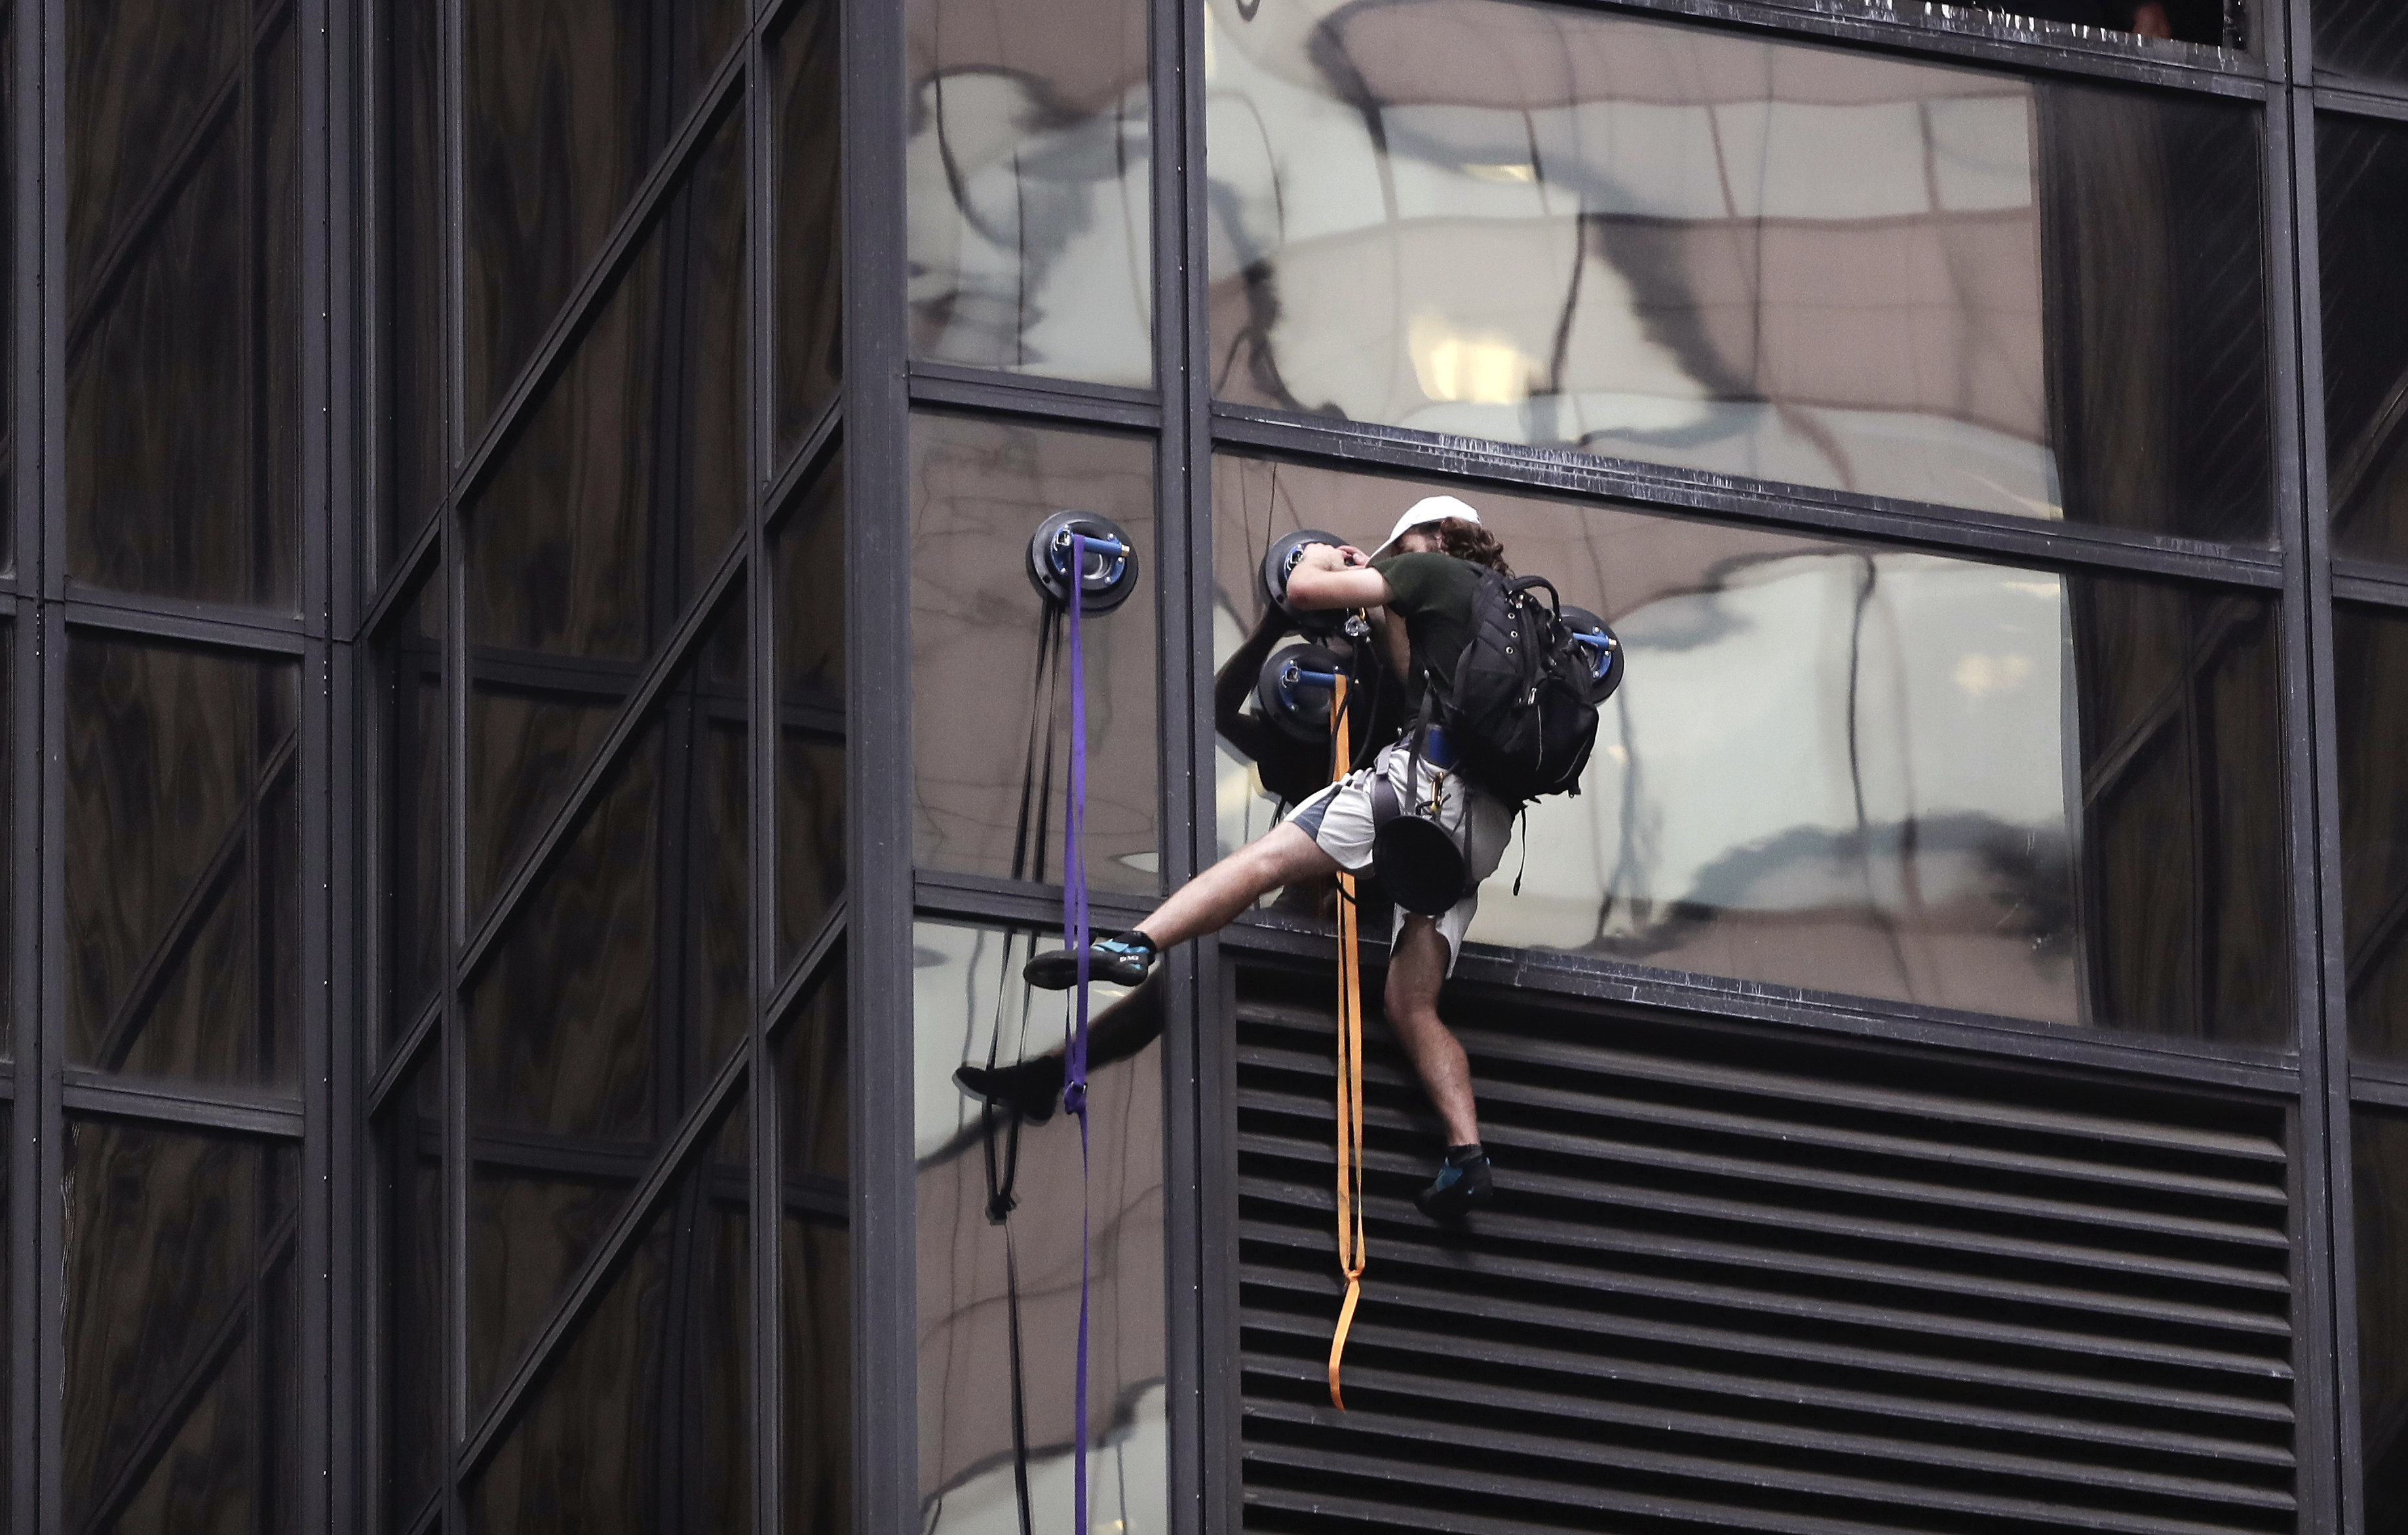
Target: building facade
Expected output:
[534,754]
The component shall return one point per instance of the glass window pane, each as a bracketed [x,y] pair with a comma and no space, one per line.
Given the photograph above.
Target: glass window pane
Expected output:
[641,1426]
[624,488]
[622,986]
[1706,249]
[810,578]
[2366,39]
[1030,193]
[811,251]
[413,443]
[2362,192]
[815,1303]
[989,798]
[410,884]
[183,312]
[996,1291]
[568,104]
[182,878]
[2379,1190]
[2000,790]
[2369,721]
[410,1338]
[179,1332]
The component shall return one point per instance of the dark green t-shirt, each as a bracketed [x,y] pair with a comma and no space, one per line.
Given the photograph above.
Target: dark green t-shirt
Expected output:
[1433,593]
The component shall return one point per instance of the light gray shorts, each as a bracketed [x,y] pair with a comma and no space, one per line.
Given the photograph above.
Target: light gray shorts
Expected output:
[1339,820]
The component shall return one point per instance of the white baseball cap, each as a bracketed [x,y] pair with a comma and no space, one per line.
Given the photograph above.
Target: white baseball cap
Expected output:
[1430,509]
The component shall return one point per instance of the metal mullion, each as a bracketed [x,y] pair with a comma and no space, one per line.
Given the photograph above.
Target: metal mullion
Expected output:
[1360,447]
[600,280]
[1020,903]
[2382,1092]
[2360,102]
[403,585]
[41,1036]
[803,976]
[29,1233]
[820,441]
[403,1060]
[274,1116]
[457,1172]
[1043,404]
[263,633]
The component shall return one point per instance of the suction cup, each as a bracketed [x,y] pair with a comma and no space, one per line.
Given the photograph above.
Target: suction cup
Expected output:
[1278,561]
[1604,648]
[1107,578]
[1295,690]
[1419,864]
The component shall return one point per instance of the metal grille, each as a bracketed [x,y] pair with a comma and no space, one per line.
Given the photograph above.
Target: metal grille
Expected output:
[1744,1282]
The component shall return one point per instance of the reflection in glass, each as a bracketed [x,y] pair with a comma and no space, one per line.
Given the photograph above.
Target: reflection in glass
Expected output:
[810,259]
[2366,39]
[180,1330]
[182,877]
[568,104]
[809,595]
[815,1304]
[1029,177]
[1549,225]
[409,1147]
[641,1425]
[1872,771]
[410,885]
[2379,1189]
[624,490]
[623,985]
[183,322]
[2214,23]
[2362,194]
[987,664]
[2369,721]
[998,1257]
[413,171]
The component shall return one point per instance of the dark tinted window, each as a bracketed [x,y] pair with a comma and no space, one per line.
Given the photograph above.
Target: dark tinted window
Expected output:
[2379,1195]
[1702,249]
[412,421]
[2366,39]
[410,879]
[2370,719]
[809,332]
[809,586]
[814,1266]
[182,877]
[412,1335]
[2362,192]
[1871,771]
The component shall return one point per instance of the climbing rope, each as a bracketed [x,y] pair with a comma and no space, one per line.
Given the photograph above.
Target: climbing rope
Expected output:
[1351,1250]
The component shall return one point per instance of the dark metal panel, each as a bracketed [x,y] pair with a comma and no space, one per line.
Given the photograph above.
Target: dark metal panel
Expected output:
[1006,393]
[227,627]
[979,897]
[264,1114]
[2329,99]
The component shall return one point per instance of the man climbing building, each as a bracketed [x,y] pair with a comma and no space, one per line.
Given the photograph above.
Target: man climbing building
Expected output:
[1420,586]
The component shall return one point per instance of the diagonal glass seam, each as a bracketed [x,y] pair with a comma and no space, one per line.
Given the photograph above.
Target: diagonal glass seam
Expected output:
[400,584]
[593,1279]
[404,1059]
[803,467]
[2126,749]
[87,309]
[624,728]
[803,976]
[600,281]
[198,905]
[158,1435]
[429,1514]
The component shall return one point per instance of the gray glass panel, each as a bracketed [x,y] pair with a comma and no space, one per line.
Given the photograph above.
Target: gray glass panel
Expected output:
[1702,248]
[2363,198]
[1029,185]
[1868,770]
[809,596]
[183,327]
[411,1334]
[179,1335]
[2370,721]
[811,328]
[999,1212]
[815,1267]
[182,872]
[2366,39]
[990,784]
[2379,1191]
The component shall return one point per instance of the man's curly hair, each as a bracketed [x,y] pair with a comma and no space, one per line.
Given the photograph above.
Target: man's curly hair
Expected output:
[1469,541]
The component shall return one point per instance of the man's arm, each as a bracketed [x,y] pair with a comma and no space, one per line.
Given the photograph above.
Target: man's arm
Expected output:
[1336,577]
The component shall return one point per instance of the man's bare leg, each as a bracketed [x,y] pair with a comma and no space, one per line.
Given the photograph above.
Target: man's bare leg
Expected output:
[1416,970]
[1213,899]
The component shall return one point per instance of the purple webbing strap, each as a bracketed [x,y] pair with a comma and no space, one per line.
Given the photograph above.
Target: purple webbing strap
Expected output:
[1074,1045]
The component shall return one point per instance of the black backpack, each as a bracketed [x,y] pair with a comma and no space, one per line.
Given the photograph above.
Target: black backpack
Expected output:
[1519,714]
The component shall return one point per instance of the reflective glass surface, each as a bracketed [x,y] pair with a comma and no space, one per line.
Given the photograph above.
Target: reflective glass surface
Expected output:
[179,1332]
[412,171]
[1028,167]
[1868,770]
[570,102]
[2214,23]
[2364,39]
[2369,721]
[987,665]
[2379,1193]
[2363,198]
[815,1266]
[410,1148]
[183,324]
[999,1215]
[809,260]
[182,874]
[621,985]
[809,576]
[626,487]
[410,882]
[1549,225]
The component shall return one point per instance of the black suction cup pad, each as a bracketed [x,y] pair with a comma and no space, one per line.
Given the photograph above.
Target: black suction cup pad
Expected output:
[1278,561]
[1609,674]
[1110,575]
[1296,707]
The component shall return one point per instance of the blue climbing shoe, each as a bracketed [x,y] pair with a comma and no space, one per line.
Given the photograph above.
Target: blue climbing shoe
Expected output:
[1463,1185]
[1121,961]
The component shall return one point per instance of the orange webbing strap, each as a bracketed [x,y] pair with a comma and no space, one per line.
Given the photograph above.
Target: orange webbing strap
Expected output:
[1350,1078]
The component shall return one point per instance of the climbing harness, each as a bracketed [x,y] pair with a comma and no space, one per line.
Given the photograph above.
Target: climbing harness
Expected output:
[1351,1249]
